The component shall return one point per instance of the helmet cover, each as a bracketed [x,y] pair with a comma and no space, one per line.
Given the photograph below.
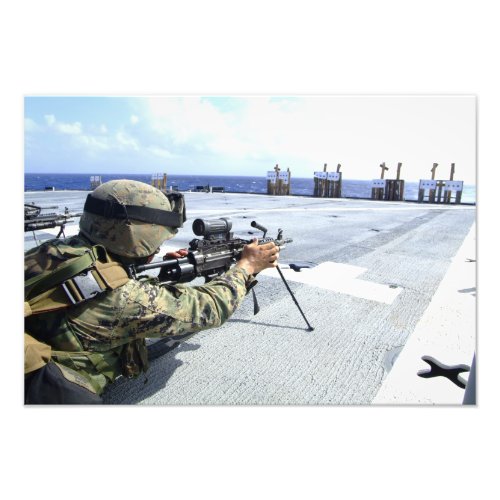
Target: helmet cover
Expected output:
[123,236]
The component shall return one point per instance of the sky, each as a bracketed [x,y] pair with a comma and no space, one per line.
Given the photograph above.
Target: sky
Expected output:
[249,135]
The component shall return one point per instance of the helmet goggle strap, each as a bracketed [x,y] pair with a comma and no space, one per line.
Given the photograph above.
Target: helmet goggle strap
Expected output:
[114,210]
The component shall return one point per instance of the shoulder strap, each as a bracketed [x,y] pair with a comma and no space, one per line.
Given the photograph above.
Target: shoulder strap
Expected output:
[68,284]
[43,282]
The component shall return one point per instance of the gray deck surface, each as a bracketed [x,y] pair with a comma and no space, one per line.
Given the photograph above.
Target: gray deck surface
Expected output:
[387,261]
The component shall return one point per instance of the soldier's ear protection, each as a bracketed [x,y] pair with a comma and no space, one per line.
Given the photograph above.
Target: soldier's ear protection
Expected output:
[114,210]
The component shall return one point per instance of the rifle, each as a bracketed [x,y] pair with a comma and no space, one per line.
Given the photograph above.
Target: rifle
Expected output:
[33,221]
[212,256]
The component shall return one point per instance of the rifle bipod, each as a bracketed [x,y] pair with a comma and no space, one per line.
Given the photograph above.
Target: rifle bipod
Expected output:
[309,327]
[256,307]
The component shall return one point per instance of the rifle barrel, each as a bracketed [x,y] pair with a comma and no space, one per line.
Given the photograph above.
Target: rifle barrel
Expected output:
[278,243]
[160,264]
[36,225]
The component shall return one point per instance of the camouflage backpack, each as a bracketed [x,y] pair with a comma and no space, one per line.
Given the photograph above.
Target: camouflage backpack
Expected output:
[52,285]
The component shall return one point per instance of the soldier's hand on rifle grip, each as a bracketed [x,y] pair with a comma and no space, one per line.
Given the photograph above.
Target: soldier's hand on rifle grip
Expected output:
[255,258]
[178,254]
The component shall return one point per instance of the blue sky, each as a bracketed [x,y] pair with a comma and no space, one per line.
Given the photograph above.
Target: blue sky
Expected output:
[248,135]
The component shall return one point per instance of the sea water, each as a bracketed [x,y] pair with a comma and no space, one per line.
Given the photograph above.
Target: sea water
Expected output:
[231,184]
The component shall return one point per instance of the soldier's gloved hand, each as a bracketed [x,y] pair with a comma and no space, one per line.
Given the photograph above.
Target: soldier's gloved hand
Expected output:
[255,258]
[177,254]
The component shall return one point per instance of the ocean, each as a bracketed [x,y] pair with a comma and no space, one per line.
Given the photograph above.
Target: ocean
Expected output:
[231,184]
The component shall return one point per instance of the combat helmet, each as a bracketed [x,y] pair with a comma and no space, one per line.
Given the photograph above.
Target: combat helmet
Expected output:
[130,218]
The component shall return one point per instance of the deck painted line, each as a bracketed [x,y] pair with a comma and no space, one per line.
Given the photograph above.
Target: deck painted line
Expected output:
[446,332]
[340,278]
[332,208]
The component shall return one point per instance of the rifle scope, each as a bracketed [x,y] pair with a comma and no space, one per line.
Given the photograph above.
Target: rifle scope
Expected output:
[212,228]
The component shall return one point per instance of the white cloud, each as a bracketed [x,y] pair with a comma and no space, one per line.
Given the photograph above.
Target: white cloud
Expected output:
[193,121]
[30,125]
[126,141]
[50,119]
[262,128]
[64,128]
[93,143]
[97,139]
[69,128]
[105,142]
[157,151]
[360,132]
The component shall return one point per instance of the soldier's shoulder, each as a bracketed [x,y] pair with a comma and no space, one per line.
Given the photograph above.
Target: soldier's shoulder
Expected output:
[58,245]
[52,253]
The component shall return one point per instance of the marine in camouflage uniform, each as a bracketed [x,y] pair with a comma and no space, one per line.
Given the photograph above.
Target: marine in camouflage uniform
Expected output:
[97,340]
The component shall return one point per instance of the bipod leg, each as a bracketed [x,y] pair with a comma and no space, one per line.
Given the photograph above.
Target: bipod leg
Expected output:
[256,307]
[310,328]
[61,231]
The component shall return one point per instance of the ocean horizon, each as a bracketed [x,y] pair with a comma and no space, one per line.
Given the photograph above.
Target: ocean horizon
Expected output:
[351,188]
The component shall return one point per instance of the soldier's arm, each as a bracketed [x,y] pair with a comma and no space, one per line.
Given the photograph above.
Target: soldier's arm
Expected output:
[187,309]
[140,309]
[181,310]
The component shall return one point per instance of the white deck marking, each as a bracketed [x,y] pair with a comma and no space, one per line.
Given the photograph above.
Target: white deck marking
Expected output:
[341,278]
[332,208]
[446,332]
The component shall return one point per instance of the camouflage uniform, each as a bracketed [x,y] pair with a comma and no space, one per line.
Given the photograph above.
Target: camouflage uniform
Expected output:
[102,337]
[97,330]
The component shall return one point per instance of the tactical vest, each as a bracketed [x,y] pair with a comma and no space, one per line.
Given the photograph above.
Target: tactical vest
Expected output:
[80,274]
